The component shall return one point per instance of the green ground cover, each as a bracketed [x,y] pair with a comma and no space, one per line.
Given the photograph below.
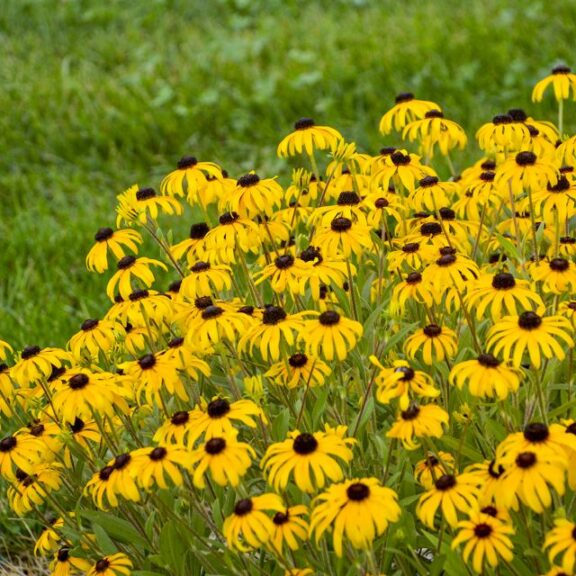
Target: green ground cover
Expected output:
[96,96]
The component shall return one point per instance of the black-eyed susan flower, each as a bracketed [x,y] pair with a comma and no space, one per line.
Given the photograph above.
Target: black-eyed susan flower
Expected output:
[49,537]
[561,540]
[47,431]
[82,431]
[331,335]
[568,309]
[435,130]
[64,564]
[348,205]
[216,323]
[249,526]
[503,294]
[557,275]
[157,465]
[380,206]
[406,109]
[486,377]
[143,308]
[30,489]
[290,528]
[435,342]
[268,335]
[131,268]
[432,194]
[427,471]
[411,289]
[205,279]
[502,133]
[140,204]
[418,422]
[342,238]
[412,255]
[450,270]
[566,152]
[402,381]
[538,335]
[360,509]
[114,241]
[193,247]
[95,337]
[19,452]
[232,233]
[562,80]
[137,339]
[402,169]
[5,349]
[310,459]
[286,274]
[307,136]
[190,178]
[35,363]
[102,489]
[485,538]
[325,271]
[525,172]
[224,457]
[556,203]
[299,370]
[452,493]
[253,196]
[111,565]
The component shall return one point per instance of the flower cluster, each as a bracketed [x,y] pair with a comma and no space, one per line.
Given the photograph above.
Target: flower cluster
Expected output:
[366,369]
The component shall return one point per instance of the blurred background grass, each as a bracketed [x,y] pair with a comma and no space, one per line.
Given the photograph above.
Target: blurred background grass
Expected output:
[96,96]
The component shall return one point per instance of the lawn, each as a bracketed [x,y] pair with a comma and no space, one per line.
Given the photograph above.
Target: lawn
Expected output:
[97,96]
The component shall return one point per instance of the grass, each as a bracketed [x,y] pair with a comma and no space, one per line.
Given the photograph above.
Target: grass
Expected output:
[99,95]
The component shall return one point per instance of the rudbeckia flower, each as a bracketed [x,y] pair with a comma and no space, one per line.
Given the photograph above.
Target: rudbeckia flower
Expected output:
[411,289]
[205,279]
[19,453]
[566,152]
[249,526]
[436,343]
[379,206]
[190,178]
[253,196]
[432,194]
[452,494]
[286,274]
[561,540]
[289,529]
[342,238]
[31,488]
[142,308]
[434,130]
[112,565]
[193,247]
[359,509]
[64,564]
[325,271]
[406,109]
[140,204]
[513,335]
[403,170]
[486,377]
[36,363]
[562,80]
[299,370]
[556,204]
[525,172]
[502,133]
[418,422]
[114,241]
[486,539]
[331,335]
[348,205]
[400,381]
[558,275]
[307,136]
[412,255]
[427,471]
[156,465]
[49,537]
[95,337]
[216,323]
[224,457]
[130,268]
[450,270]
[310,458]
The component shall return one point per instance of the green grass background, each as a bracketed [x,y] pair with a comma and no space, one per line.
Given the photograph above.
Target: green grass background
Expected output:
[98,95]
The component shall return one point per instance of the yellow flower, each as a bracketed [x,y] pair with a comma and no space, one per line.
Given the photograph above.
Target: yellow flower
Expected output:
[253,196]
[427,471]
[31,488]
[525,172]
[36,363]
[21,452]
[289,528]
[193,247]
[558,275]
[359,509]
[95,337]
[129,268]
[434,130]
[206,279]
[562,540]
[310,458]
[436,343]
[156,465]
[502,133]
[216,323]
[112,565]
[406,109]
[325,271]
[64,564]
[412,255]
[286,274]
[114,241]
[299,370]
[139,205]
[450,270]
[342,238]
[307,136]
[411,289]
[432,194]
[190,177]
[403,170]
[418,422]
[563,81]
[49,538]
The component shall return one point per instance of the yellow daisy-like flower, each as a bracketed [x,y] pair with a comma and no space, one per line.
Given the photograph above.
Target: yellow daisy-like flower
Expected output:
[558,275]
[114,241]
[140,204]
[427,471]
[435,342]
[502,133]
[31,488]
[406,109]
[36,363]
[289,529]
[286,274]
[359,509]
[418,422]
[562,81]
[432,194]
[308,137]
[412,255]
[502,294]
[556,203]
[561,540]
[226,459]
[343,238]
[216,323]
[156,465]
[95,337]
[249,526]
[513,335]
[21,452]
[400,381]
[299,370]
[486,539]
[268,335]
[64,564]
[112,565]
[310,458]
[190,178]
[402,169]
[411,289]
[193,247]
[526,172]
[253,196]
[325,271]
[331,335]
[205,279]
[452,494]
[450,270]
[49,537]
[486,377]
[130,268]
[435,130]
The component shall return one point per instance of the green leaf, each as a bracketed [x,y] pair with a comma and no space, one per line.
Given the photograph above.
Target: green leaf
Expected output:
[116,528]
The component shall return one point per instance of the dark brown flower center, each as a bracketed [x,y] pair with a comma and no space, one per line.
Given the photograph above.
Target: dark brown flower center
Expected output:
[37,430]
[8,444]
[63,554]
[199,230]
[536,432]
[180,418]
[529,321]
[559,264]
[411,413]
[381,203]
[304,444]
[445,482]
[526,460]
[218,408]
[490,510]
[428,181]
[105,473]
[103,234]
[200,267]
[482,530]
[502,119]
[357,492]
[414,278]
[248,180]
[30,352]
[158,454]
[518,115]
[348,199]
[147,361]
[488,361]
[215,446]
[273,315]
[526,158]
[503,281]
[228,218]
[248,310]
[102,565]
[243,507]
[298,360]
[310,254]
[341,224]
[212,312]
[176,342]
[280,518]
[447,214]
[283,262]
[487,176]
[303,123]
[145,194]
[329,318]
[561,69]
[432,330]
[495,473]
[126,262]
[488,165]
[407,373]
[122,461]
[88,325]
[399,159]
[404,97]
[446,260]
[77,425]
[430,229]
[434,114]
[78,381]
[202,302]
[187,162]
